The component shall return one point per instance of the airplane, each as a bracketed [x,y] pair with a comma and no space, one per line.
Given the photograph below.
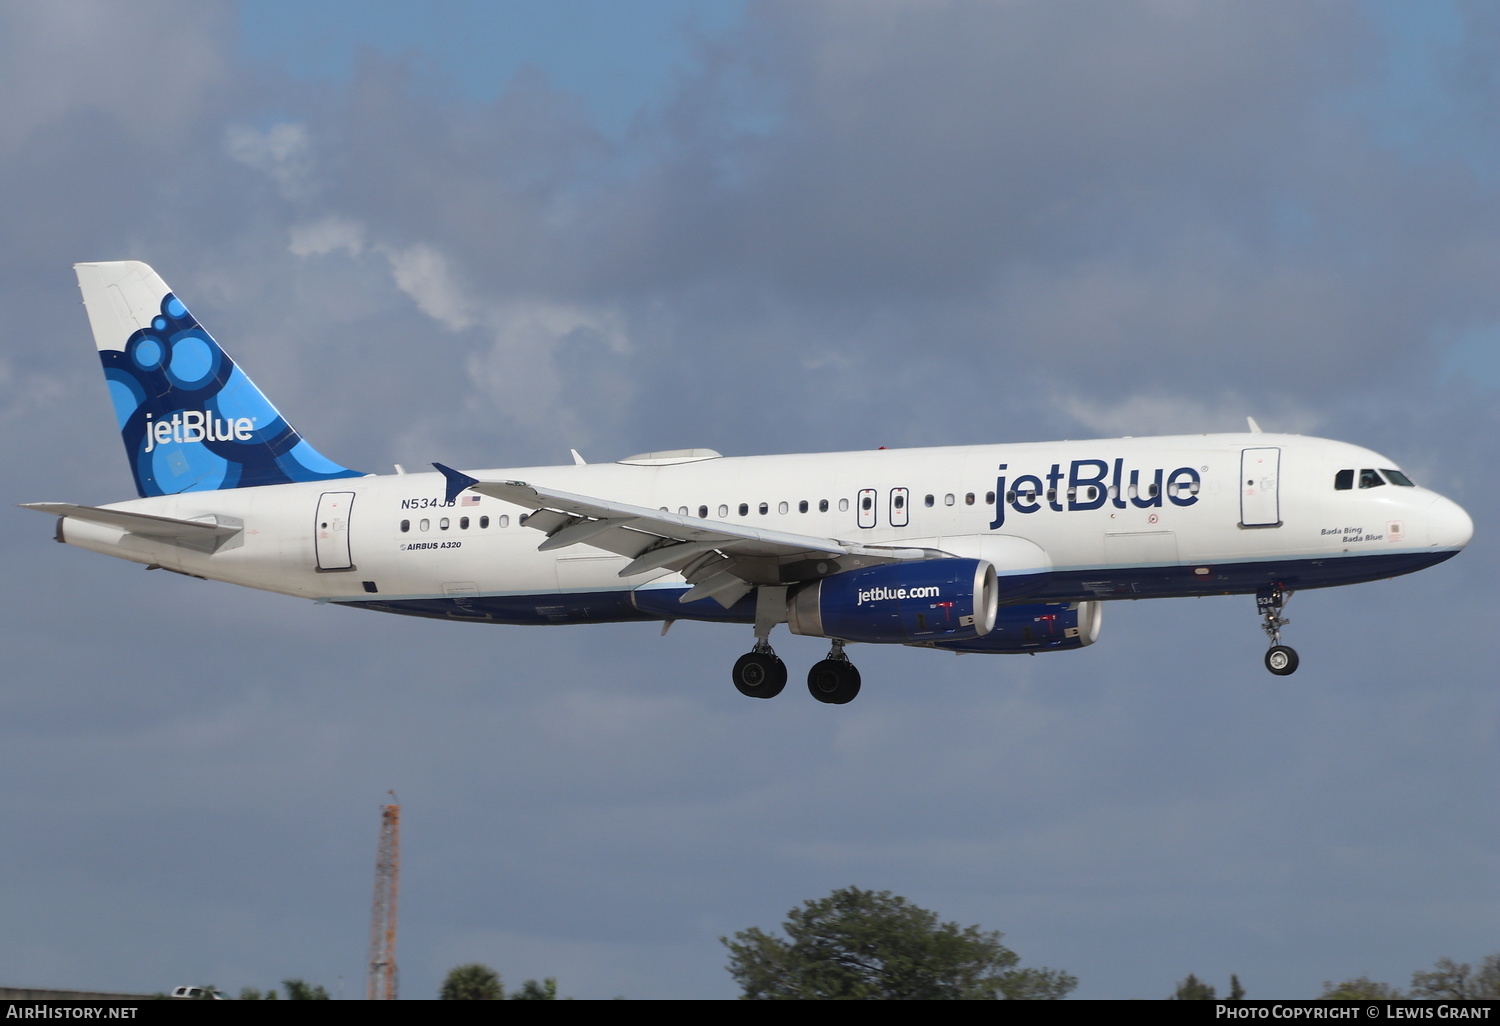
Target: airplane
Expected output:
[1003,549]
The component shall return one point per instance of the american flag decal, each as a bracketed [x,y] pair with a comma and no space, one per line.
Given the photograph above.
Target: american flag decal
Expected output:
[469,500]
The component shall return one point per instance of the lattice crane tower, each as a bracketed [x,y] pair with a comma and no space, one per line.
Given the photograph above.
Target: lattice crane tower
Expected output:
[381,985]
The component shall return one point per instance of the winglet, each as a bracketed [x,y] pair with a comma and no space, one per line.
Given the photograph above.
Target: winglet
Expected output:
[457,480]
[1254,427]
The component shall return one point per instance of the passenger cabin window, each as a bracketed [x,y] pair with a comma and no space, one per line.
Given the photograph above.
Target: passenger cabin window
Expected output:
[504,520]
[928,501]
[802,506]
[702,512]
[1370,479]
[463,523]
[724,512]
[1343,480]
[484,522]
[822,505]
[843,505]
[782,507]
[764,509]
[405,526]
[744,509]
[948,499]
[969,499]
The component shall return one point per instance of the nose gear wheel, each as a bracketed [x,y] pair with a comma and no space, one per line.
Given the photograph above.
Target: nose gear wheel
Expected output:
[1280,659]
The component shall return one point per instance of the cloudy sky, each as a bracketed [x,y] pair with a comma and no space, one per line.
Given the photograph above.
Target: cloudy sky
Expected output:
[483,233]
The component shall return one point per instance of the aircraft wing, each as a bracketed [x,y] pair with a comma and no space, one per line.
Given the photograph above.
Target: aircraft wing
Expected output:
[721,560]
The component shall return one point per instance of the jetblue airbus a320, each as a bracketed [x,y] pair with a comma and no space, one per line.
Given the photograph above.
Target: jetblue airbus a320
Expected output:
[982,548]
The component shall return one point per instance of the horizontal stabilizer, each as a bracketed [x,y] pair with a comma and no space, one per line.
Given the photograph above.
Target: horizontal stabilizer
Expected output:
[140,523]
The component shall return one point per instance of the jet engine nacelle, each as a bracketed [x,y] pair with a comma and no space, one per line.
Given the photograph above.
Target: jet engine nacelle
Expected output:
[1045,627]
[899,603]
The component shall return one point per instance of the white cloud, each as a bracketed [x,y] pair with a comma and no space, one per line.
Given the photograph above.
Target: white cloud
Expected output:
[328,235]
[150,67]
[1167,413]
[424,274]
[283,152]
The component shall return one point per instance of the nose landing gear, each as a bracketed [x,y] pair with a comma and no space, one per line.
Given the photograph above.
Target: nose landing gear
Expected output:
[1280,659]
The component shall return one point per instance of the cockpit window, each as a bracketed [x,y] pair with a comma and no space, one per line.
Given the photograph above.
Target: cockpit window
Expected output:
[1343,480]
[1370,479]
[1395,477]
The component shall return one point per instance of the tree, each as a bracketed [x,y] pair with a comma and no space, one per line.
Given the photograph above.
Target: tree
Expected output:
[1458,981]
[298,990]
[1193,989]
[534,991]
[875,945]
[472,982]
[1361,988]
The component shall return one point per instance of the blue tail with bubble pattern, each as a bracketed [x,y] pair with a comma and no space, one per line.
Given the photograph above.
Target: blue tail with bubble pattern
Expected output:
[192,421]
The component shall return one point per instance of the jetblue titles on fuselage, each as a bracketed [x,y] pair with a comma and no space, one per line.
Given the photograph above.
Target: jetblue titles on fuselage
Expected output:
[1090,484]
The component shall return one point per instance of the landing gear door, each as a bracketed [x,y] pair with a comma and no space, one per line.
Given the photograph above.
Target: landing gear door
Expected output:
[1260,490]
[331,531]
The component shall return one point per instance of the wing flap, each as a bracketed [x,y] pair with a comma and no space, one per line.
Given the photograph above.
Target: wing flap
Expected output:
[738,537]
[720,560]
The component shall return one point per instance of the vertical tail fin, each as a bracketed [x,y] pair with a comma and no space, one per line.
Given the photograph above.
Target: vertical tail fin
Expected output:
[191,420]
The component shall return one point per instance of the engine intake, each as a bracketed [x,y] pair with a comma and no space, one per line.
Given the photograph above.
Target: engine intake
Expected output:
[929,600]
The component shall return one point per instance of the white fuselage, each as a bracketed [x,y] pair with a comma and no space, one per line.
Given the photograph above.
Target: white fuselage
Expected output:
[1088,519]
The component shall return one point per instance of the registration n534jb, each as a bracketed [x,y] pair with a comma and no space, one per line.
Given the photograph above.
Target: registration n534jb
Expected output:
[1011,548]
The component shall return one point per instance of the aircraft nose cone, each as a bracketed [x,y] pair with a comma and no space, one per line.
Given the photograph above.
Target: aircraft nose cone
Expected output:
[1448,526]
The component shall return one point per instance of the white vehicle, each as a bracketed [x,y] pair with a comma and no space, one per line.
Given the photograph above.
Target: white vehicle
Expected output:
[982,548]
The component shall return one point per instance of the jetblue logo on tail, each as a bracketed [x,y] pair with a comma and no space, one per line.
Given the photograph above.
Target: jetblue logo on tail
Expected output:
[196,426]
[192,421]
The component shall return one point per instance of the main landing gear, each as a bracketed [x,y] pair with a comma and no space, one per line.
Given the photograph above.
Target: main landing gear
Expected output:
[834,680]
[1280,659]
[760,673]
